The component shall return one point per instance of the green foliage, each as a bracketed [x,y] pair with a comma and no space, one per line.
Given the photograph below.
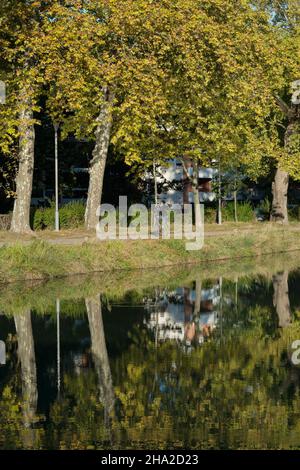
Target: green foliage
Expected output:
[188,78]
[245,212]
[210,215]
[237,390]
[41,260]
[71,215]
[265,208]
[294,213]
[44,218]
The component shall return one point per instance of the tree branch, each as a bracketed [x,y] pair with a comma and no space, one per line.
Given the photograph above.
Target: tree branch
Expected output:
[185,170]
[282,105]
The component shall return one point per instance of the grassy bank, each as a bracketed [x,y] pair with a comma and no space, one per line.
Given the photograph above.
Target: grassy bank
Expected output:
[41,296]
[42,260]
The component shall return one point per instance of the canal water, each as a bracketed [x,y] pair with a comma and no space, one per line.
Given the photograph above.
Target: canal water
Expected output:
[184,358]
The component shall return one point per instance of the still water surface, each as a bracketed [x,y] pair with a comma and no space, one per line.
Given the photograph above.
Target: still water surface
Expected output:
[192,359]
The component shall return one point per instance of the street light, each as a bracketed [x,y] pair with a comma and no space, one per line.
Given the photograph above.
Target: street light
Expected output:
[155,183]
[56,127]
[58,343]
[220,195]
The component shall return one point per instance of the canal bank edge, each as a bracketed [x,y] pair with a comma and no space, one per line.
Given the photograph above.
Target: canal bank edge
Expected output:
[40,260]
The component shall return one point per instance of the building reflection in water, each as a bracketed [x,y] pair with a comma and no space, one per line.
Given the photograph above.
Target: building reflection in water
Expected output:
[187,315]
[78,366]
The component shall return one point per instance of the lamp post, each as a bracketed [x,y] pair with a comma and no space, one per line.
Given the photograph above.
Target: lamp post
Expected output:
[155,183]
[220,195]
[58,343]
[56,127]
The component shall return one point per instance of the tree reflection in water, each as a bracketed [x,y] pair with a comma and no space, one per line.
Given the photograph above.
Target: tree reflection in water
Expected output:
[202,365]
[101,361]
[281,298]
[26,355]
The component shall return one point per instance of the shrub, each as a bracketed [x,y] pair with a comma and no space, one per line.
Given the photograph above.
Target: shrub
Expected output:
[245,212]
[44,217]
[210,215]
[265,208]
[71,215]
[294,213]
[5,221]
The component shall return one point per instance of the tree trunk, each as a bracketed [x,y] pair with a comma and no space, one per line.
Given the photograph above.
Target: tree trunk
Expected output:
[281,299]
[280,187]
[99,351]
[26,356]
[21,213]
[98,162]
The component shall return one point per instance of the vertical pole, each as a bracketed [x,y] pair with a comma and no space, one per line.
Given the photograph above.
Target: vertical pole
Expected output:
[56,127]
[235,206]
[155,183]
[156,318]
[220,195]
[221,304]
[235,199]
[236,292]
[58,343]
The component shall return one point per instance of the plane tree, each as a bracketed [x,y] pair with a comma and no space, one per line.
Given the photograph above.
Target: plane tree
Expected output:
[20,22]
[220,74]
[285,16]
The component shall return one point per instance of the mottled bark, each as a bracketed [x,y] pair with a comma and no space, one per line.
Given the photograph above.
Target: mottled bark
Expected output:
[281,299]
[26,356]
[21,213]
[280,188]
[98,162]
[99,351]
[279,212]
[2,353]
